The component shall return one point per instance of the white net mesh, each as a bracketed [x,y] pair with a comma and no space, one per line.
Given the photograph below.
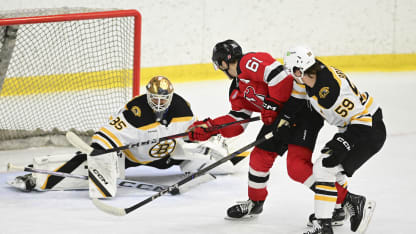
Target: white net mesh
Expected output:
[66,75]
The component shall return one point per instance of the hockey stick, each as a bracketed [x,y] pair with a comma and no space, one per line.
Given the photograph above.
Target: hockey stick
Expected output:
[120,182]
[84,147]
[124,211]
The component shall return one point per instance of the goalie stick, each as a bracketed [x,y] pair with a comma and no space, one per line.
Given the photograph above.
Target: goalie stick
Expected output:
[120,182]
[124,211]
[84,147]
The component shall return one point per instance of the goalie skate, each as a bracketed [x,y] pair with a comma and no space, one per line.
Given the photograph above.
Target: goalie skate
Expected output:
[25,183]
[245,209]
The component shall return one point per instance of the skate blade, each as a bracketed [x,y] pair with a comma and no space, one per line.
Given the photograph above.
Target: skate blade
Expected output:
[370,206]
[244,218]
[334,223]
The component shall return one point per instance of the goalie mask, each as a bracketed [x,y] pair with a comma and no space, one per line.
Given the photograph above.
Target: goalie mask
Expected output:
[159,94]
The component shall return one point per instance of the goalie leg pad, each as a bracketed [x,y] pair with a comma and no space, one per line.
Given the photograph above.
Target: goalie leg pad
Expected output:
[102,175]
[67,163]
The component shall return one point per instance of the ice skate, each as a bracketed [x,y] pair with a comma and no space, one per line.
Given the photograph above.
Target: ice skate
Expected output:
[338,217]
[25,183]
[245,209]
[360,211]
[321,226]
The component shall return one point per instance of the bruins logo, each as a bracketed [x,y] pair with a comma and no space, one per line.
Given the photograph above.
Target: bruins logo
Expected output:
[324,92]
[136,111]
[162,149]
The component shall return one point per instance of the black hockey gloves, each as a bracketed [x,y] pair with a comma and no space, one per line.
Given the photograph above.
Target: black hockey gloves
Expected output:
[282,127]
[337,148]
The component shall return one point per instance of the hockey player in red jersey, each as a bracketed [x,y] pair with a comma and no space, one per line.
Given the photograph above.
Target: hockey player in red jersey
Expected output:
[261,84]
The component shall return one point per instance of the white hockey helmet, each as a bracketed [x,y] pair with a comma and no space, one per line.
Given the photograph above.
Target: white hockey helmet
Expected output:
[159,93]
[298,58]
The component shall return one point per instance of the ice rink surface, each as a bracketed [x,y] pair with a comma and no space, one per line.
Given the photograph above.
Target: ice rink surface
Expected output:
[388,178]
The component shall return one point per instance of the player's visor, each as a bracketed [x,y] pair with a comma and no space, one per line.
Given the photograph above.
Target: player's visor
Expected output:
[216,65]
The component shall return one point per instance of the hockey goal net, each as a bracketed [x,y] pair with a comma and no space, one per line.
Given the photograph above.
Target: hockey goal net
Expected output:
[64,69]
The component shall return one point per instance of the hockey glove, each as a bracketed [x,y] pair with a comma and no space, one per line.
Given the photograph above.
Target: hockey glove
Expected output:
[202,130]
[338,149]
[282,127]
[271,108]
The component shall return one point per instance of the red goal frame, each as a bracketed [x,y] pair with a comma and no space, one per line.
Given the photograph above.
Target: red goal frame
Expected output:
[93,15]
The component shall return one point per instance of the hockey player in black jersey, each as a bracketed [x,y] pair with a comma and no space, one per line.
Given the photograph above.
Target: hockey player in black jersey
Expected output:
[361,134]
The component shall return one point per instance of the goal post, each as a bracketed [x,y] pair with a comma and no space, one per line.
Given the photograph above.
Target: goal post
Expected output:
[64,69]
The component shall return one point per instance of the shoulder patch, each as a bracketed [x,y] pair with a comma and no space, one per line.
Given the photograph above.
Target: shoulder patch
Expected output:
[136,111]
[323,92]
[326,88]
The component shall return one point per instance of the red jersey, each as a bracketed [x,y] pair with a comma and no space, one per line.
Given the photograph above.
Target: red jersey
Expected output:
[259,76]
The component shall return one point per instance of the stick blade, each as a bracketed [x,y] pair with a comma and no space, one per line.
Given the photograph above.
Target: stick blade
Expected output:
[76,141]
[108,209]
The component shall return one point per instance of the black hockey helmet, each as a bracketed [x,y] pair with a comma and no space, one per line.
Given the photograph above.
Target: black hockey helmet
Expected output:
[227,51]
